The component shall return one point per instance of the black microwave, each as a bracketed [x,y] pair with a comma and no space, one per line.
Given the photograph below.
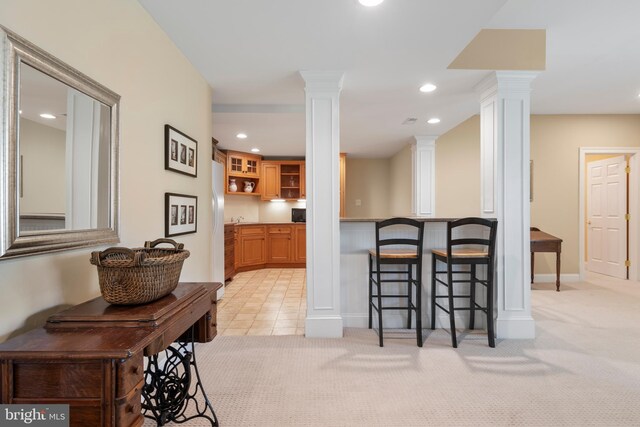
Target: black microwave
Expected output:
[298,215]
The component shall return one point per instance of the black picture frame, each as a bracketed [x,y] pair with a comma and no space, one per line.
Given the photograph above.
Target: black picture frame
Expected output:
[180,214]
[180,152]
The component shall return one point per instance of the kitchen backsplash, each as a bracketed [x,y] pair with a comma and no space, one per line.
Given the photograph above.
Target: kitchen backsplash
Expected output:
[252,209]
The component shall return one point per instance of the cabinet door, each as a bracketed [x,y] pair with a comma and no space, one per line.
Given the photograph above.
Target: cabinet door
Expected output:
[253,250]
[280,243]
[300,243]
[252,166]
[236,248]
[343,183]
[235,164]
[303,191]
[270,181]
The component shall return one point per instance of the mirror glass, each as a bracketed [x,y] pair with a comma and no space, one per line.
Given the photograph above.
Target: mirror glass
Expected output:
[63,146]
[58,154]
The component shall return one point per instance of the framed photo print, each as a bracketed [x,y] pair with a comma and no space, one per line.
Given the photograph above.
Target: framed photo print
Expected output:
[181,152]
[180,214]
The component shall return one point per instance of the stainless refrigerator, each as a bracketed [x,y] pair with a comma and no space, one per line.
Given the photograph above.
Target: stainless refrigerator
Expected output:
[217,240]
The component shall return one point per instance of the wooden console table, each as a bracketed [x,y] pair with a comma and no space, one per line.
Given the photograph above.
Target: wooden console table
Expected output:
[91,357]
[543,242]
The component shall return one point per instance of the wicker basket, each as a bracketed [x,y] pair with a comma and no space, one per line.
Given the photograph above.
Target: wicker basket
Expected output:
[138,276]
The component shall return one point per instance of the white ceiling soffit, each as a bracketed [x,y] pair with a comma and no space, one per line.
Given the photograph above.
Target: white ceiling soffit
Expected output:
[251,51]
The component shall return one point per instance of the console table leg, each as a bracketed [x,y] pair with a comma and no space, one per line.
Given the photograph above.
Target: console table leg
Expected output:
[168,389]
[558,271]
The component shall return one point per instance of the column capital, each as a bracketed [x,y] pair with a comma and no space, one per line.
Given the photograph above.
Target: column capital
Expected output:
[322,80]
[505,82]
[424,141]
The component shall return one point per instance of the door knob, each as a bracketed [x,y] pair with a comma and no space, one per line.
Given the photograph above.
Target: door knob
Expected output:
[588,222]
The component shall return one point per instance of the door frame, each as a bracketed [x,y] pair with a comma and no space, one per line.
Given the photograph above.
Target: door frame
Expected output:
[634,205]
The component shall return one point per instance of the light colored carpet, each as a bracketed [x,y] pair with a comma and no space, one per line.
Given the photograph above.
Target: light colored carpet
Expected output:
[583,368]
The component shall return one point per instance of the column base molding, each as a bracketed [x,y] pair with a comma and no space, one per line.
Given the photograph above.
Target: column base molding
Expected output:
[323,327]
[522,328]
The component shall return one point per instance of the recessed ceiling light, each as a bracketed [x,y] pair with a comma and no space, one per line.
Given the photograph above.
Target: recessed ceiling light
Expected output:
[20,111]
[47,116]
[433,120]
[370,3]
[241,136]
[428,87]
[255,150]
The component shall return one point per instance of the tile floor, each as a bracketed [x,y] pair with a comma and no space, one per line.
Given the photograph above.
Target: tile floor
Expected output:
[271,301]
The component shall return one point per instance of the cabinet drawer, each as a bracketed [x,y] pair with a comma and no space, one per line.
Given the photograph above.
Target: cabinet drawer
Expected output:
[279,229]
[73,379]
[128,409]
[252,230]
[128,374]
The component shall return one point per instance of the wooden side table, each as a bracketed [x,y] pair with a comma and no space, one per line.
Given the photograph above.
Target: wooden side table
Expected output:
[91,358]
[544,242]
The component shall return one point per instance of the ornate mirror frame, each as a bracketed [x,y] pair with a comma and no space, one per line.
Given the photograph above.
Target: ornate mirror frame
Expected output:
[15,50]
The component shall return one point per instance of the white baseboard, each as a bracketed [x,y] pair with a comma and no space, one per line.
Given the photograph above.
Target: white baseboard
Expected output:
[551,278]
[323,327]
[516,328]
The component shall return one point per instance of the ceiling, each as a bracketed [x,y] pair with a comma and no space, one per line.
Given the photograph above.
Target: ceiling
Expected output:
[250,52]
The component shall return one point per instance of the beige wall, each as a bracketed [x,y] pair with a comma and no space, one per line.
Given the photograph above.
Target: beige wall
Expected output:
[43,151]
[555,143]
[126,51]
[458,171]
[367,181]
[400,182]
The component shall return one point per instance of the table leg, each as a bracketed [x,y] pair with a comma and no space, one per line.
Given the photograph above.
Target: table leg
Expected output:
[168,389]
[532,267]
[558,271]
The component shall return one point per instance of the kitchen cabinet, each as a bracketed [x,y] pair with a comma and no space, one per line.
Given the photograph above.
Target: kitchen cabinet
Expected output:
[280,244]
[303,181]
[243,169]
[271,245]
[343,183]
[236,248]
[300,243]
[283,180]
[243,164]
[253,248]
[229,253]
[270,180]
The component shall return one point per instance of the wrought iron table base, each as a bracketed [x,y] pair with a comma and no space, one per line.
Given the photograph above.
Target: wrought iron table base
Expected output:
[167,391]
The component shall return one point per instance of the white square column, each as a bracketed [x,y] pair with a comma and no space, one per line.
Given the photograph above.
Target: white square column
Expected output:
[423,171]
[322,90]
[504,182]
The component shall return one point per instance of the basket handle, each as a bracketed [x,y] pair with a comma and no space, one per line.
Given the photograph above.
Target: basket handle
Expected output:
[97,257]
[176,246]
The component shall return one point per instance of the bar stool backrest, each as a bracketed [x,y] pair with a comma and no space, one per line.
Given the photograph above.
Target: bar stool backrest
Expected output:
[408,243]
[482,232]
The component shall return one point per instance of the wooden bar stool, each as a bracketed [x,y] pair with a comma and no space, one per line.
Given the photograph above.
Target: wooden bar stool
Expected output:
[397,251]
[482,252]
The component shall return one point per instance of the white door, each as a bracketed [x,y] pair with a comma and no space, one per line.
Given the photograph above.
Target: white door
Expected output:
[606,210]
